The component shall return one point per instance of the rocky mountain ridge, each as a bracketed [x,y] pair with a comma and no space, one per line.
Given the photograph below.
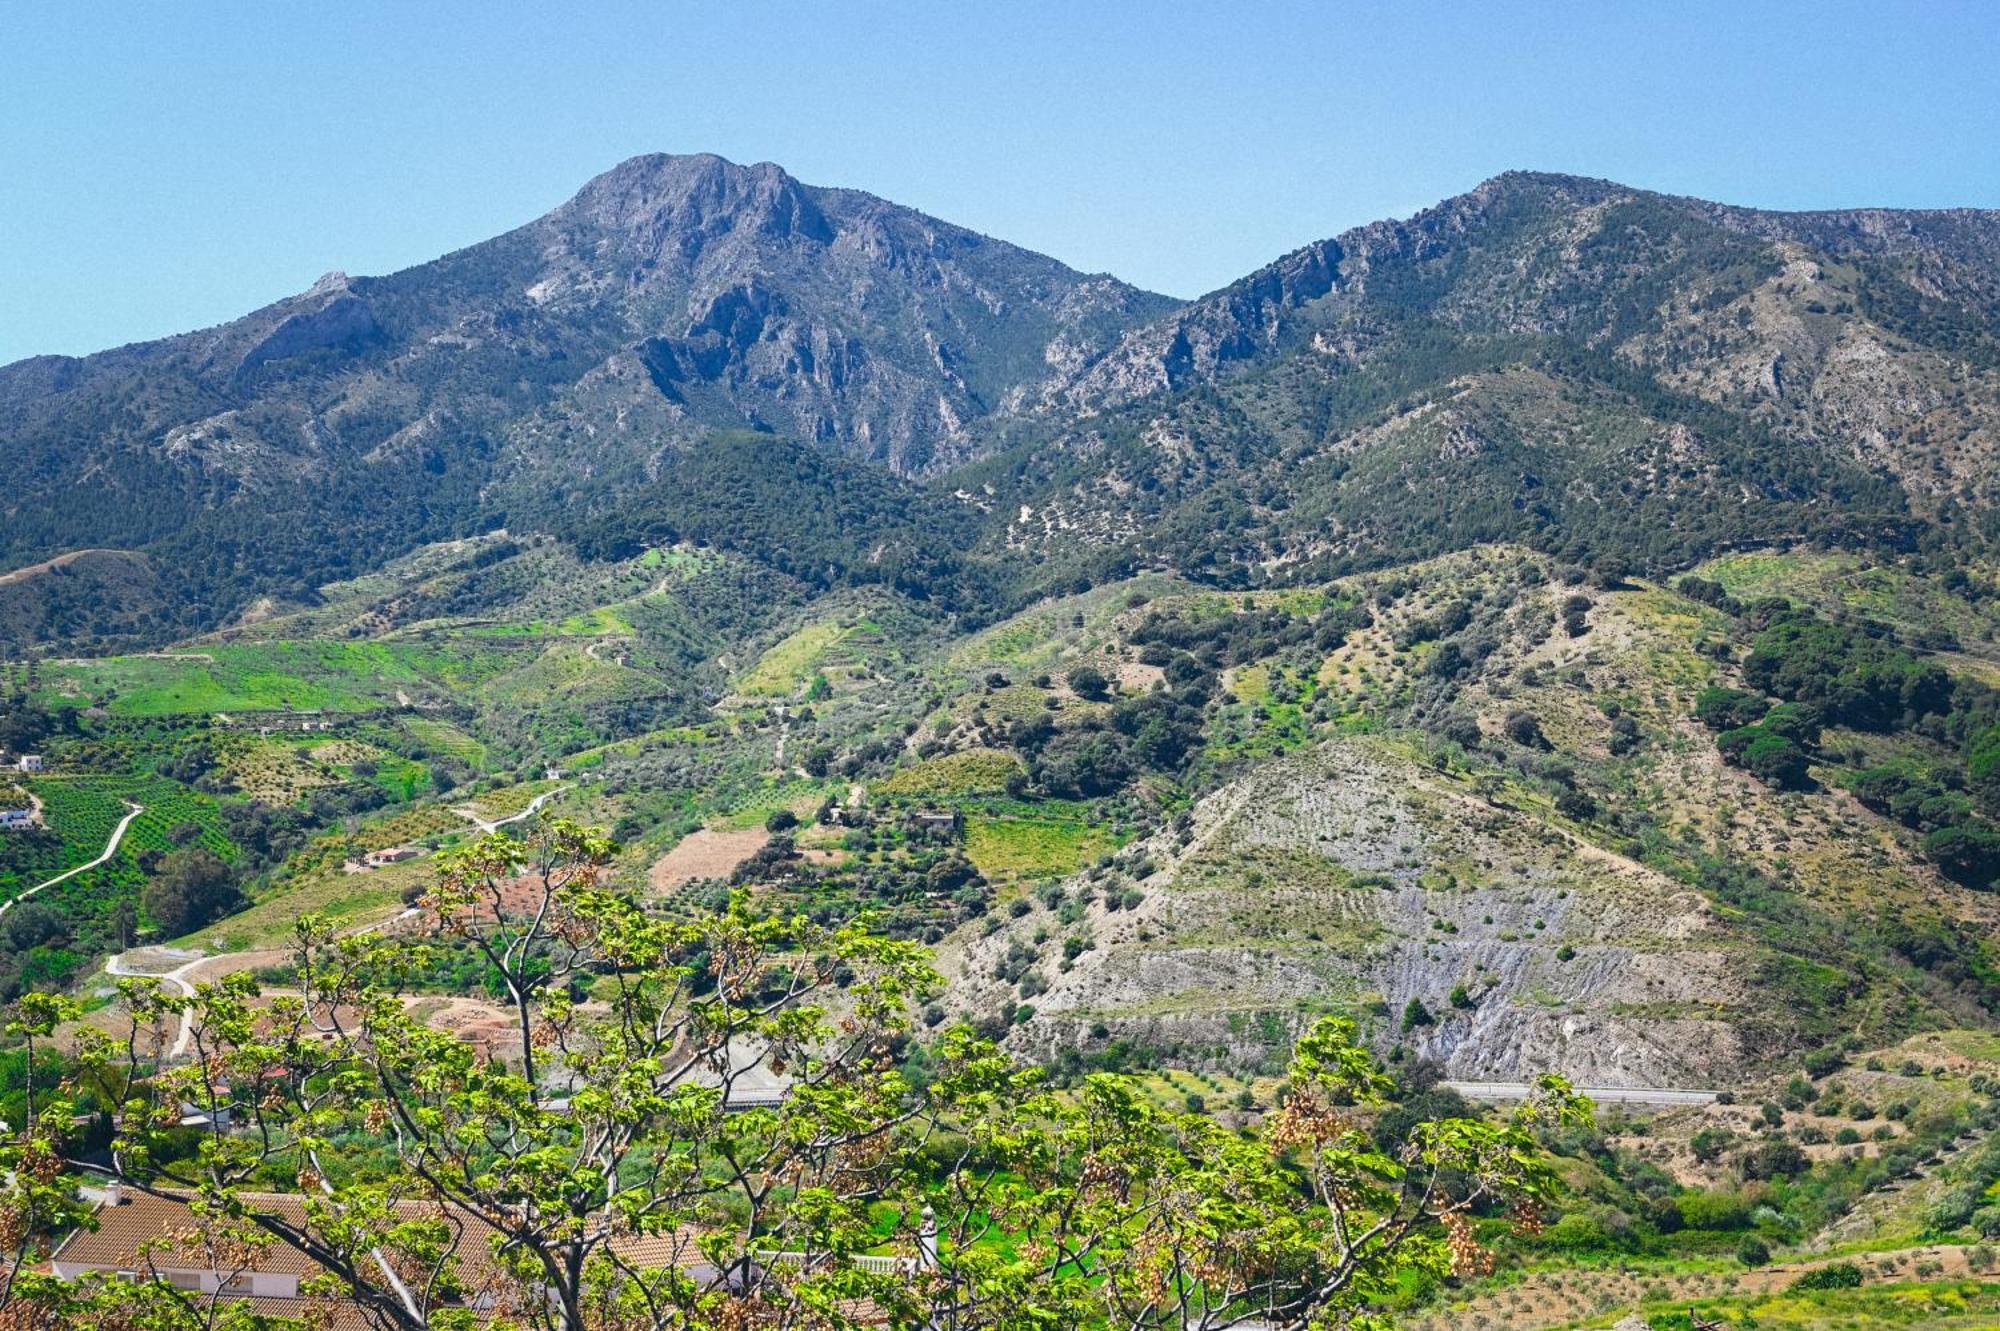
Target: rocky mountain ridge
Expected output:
[1550,359]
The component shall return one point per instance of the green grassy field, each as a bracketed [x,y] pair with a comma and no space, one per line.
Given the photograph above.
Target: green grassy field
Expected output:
[1008,846]
[568,672]
[348,898]
[441,737]
[253,677]
[781,670]
[1940,1306]
[1841,580]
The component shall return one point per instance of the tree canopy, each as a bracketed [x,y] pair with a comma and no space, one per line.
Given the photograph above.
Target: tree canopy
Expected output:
[443,1181]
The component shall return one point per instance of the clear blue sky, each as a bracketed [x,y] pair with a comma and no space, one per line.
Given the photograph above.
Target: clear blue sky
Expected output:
[168,166]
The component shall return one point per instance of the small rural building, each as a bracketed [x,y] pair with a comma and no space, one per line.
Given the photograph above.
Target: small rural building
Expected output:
[943,823]
[30,762]
[376,859]
[223,1117]
[17,818]
[135,1232]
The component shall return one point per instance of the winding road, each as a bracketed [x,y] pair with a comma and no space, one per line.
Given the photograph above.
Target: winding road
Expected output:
[110,849]
[178,978]
[534,806]
[182,977]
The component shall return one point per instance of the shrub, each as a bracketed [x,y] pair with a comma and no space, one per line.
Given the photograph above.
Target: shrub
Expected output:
[1577,1232]
[1773,1158]
[1753,1251]
[1088,682]
[1834,1275]
[1727,709]
[1713,1210]
[1708,1146]
[1954,1209]
[1525,729]
[1775,760]
[1576,805]
[1968,852]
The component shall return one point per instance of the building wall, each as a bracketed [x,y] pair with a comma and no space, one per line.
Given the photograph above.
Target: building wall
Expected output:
[262,1284]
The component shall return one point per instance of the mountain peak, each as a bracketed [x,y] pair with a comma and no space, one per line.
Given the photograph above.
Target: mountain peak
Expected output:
[698,195]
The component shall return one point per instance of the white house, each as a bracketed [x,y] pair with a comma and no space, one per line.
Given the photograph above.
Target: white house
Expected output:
[30,762]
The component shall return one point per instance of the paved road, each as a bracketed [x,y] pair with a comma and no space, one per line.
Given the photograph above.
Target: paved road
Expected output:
[1631,1095]
[534,806]
[110,849]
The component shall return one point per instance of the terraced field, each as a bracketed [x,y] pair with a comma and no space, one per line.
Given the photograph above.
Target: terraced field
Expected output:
[265,677]
[960,775]
[1010,848]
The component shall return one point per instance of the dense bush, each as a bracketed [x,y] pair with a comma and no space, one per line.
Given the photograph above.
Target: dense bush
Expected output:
[1728,709]
[1834,1275]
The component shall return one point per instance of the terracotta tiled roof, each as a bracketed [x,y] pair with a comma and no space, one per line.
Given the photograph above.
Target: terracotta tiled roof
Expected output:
[123,1230]
[654,1252]
[326,1314]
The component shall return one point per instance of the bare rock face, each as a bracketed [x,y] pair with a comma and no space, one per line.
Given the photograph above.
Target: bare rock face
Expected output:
[824,314]
[1351,878]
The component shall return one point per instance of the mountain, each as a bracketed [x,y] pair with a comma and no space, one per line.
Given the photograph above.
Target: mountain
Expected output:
[1596,371]
[536,372]
[78,594]
[1570,362]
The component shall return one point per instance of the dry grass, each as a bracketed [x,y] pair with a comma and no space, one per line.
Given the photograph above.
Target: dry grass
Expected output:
[707,853]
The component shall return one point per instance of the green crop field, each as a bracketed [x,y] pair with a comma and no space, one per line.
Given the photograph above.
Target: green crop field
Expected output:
[86,809]
[83,813]
[568,672]
[274,676]
[787,666]
[1007,846]
[442,738]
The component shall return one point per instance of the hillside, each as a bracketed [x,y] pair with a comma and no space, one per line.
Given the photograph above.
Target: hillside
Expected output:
[1563,361]
[1489,826]
[79,595]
